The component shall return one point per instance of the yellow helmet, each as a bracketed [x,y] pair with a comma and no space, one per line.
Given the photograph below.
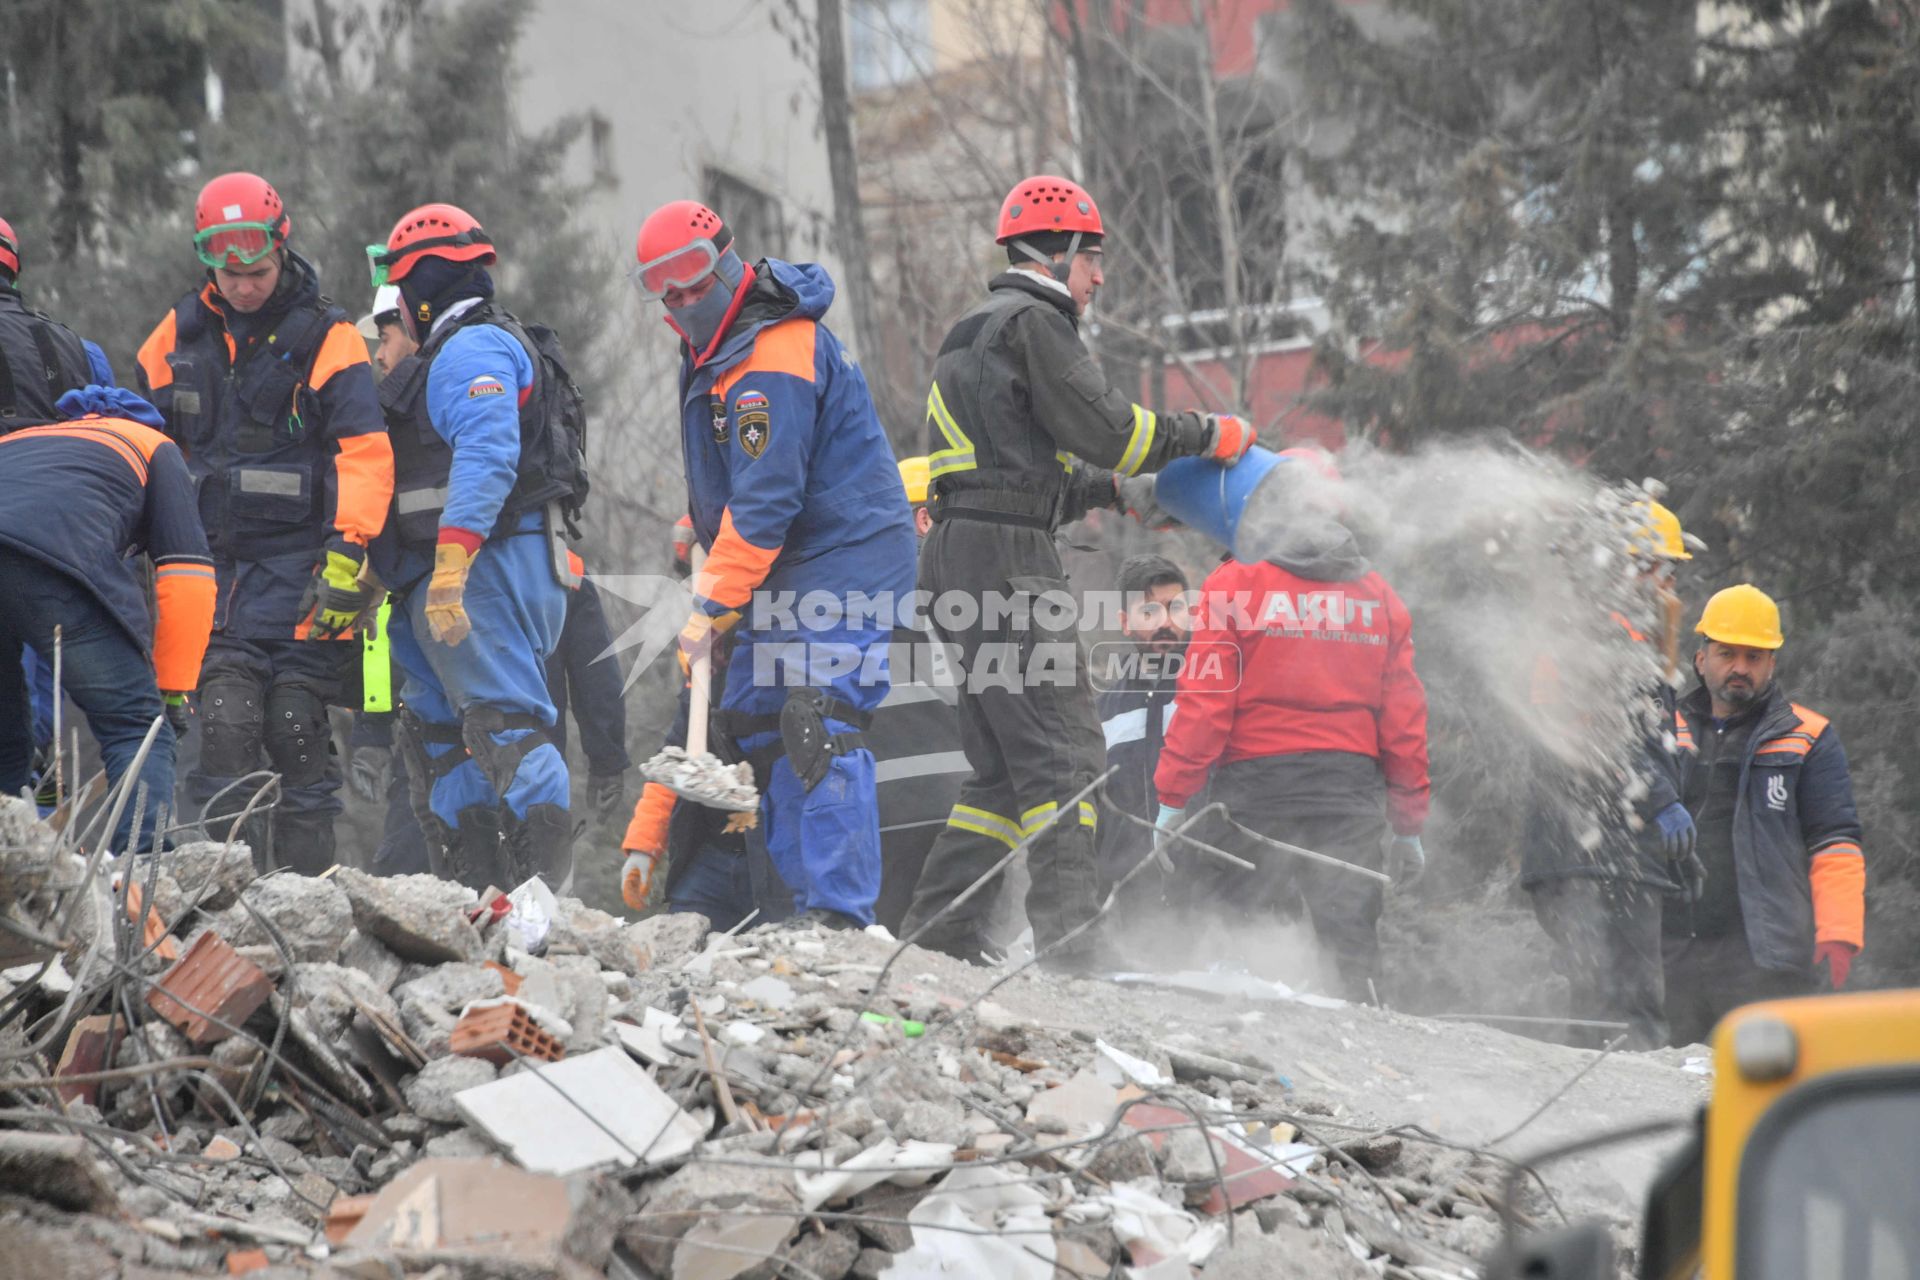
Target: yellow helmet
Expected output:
[1659,538]
[1743,615]
[916,475]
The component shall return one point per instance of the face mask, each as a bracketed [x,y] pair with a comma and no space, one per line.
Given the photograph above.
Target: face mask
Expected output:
[700,321]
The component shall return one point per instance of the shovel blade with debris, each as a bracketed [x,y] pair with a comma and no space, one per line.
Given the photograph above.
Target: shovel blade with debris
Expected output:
[693,772]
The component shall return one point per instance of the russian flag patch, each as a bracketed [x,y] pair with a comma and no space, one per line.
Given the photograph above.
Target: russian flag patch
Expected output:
[485,385]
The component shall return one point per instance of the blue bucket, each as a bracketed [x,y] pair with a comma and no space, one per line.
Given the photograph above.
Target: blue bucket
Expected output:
[1210,498]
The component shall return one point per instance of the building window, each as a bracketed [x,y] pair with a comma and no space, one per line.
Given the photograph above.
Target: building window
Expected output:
[754,217]
[891,41]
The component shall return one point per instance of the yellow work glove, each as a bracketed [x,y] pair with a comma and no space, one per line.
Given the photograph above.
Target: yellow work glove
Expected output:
[446,615]
[701,631]
[335,596]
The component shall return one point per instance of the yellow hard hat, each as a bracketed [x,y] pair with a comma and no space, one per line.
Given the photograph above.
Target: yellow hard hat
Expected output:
[1659,537]
[1743,615]
[916,474]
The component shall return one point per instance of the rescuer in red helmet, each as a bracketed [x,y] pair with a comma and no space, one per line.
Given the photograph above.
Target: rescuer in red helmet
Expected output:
[1024,433]
[266,387]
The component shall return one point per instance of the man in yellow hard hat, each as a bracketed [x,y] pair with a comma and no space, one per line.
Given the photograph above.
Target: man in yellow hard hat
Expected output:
[1600,902]
[1766,780]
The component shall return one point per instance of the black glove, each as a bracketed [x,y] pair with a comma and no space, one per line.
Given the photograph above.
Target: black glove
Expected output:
[371,772]
[1692,874]
[178,714]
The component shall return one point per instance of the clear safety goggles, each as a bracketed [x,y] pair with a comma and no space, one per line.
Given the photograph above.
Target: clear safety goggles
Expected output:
[234,243]
[681,269]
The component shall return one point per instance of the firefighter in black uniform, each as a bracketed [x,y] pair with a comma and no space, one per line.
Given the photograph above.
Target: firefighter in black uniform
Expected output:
[40,358]
[1017,404]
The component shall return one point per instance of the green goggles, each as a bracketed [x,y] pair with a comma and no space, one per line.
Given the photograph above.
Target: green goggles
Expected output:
[235,243]
[382,259]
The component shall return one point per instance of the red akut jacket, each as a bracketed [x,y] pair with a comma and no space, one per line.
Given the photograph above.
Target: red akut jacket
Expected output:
[1282,664]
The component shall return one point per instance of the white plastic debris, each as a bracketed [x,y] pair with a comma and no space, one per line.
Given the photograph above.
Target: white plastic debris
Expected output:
[774,993]
[1118,1067]
[1137,1213]
[743,1033]
[907,1164]
[530,919]
[982,1221]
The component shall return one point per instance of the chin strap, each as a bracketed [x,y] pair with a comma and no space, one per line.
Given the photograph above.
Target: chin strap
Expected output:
[1058,270]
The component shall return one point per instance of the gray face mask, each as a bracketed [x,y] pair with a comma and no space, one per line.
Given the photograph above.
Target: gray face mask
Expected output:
[701,320]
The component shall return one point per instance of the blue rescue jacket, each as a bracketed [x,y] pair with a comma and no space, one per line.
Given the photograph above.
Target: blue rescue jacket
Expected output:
[791,482]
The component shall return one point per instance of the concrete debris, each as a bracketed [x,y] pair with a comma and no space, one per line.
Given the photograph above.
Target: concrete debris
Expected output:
[431,1089]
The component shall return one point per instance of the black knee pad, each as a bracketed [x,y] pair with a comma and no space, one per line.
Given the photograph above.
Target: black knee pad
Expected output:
[298,737]
[232,711]
[499,761]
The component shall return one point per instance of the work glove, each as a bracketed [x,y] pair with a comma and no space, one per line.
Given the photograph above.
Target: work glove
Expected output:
[1692,875]
[371,772]
[335,596]
[1137,497]
[1406,861]
[701,632]
[1677,832]
[642,880]
[605,792]
[446,592]
[1167,819]
[1228,438]
[179,716]
[1839,960]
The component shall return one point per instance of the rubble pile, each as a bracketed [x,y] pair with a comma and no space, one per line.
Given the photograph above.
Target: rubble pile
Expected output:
[372,1077]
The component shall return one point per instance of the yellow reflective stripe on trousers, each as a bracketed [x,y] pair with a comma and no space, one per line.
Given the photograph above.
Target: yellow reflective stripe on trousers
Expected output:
[1139,443]
[1034,817]
[958,455]
[980,822]
[1089,816]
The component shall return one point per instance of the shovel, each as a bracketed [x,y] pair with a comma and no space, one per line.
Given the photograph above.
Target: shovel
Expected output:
[693,771]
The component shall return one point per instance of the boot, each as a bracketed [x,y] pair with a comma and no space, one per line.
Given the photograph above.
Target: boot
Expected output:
[541,844]
[472,853]
[303,842]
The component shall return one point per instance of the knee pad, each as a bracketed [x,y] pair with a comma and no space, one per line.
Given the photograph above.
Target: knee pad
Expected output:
[298,737]
[499,761]
[231,716]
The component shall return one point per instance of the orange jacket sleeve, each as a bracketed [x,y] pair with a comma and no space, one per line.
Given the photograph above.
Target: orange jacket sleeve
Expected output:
[647,832]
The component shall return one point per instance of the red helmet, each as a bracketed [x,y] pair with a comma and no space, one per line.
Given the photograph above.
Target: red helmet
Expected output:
[238,218]
[9,248]
[679,245]
[431,231]
[1046,203]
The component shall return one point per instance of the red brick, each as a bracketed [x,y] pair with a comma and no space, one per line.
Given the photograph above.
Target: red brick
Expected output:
[498,1032]
[242,1261]
[1247,1179]
[216,980]
[152,928]
[508,978]
[89,1049]
[344,1214]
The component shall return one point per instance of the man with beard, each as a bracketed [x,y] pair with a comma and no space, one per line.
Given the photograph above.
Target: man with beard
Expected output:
[1134,714]
[1767,784]
[1315,734]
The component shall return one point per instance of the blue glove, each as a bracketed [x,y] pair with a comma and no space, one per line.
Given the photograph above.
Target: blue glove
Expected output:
[1168,818]
[1677,832]
[110,402]
[1406,860]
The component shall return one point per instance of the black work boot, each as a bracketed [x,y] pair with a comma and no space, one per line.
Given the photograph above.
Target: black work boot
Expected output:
[472,853]
[832,921]
[541,844]
[303,842]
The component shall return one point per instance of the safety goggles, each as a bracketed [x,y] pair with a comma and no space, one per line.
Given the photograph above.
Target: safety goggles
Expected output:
[681,269]
[381,260]
[235,243]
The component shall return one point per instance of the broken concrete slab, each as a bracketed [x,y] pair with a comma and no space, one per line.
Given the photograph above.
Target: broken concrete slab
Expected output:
[56,1168]
[596,1109]
[371,957]
[480,1206]
[333,993]
[419,918]
[312,916]
[1083,1106]
[452,987]
[664,941]
[210,873]
[430,1093]
[682,1201]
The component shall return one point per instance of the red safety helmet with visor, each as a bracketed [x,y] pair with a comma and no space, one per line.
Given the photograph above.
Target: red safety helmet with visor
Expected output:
[430,231]
[238,220]
[679,245]
[9,248]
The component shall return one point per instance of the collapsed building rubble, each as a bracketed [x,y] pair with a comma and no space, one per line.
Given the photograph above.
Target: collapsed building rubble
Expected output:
[365,1077]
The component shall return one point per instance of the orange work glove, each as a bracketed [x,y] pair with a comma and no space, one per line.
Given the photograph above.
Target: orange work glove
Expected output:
[701,632]
[1839,959]
[1231,438]
[446,593]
